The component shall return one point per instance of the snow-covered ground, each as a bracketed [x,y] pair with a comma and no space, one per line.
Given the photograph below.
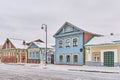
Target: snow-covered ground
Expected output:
[57,72]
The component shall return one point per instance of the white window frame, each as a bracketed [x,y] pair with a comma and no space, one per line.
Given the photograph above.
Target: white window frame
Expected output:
[66,58]
[61,61]
[60,44]
[76,42]
[30,54]
[68,29]
[96,59]
[67,43]
[73,58]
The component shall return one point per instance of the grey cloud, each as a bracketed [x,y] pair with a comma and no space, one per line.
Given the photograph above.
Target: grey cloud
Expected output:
[25,17]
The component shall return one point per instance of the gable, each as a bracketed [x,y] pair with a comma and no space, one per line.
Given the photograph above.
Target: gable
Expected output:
[68,28]
[33,46]
[87,36]
[8,45]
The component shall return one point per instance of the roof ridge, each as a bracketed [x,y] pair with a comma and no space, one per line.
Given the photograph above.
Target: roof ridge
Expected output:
[15,39]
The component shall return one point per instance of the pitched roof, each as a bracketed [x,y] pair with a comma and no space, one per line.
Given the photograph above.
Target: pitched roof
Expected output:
[42,45]
[67,23]
[38,40]
[104,40]
[18,43]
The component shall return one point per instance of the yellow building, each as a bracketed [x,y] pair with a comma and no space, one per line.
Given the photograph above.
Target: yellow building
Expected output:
[103,51]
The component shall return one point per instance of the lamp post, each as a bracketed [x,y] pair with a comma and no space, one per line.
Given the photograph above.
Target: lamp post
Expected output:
[44,26]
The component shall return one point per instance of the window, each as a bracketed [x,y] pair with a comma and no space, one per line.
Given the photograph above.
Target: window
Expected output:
[49,59]
[34,54]
[30,54]
[9,54]
[67,43]
[75,57]
[68,58]
[37,54]
[75,42]
[61,58]
[18,50]
[96,56]
[96,59]
[68,28]
[8,45]
[60,43]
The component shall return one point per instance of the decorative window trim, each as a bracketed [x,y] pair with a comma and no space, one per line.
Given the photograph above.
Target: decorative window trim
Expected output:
[77,58]
[62,58]
[67,43]
[37,54]
[68,28]
[30,54]
[68,61]
[96,56]
[76,42]
[60,43]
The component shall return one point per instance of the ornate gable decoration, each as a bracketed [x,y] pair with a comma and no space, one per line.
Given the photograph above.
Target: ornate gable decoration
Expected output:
[68,28]
[8,45]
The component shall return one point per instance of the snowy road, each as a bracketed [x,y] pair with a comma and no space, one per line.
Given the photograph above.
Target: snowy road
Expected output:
[19,72]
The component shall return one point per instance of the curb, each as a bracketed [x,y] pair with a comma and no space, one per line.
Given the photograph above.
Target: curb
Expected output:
[93,71]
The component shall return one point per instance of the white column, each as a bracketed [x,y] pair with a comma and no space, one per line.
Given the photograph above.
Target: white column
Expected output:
[89,54]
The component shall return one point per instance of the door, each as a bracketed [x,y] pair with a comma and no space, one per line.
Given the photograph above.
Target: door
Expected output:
[109,58]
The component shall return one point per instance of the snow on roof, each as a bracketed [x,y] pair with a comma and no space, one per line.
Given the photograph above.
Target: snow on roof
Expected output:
[42,45]
[108,39]
[67,23]
[18,43]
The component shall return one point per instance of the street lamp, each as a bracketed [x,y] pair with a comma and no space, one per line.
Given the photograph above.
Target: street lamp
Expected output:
[44,26]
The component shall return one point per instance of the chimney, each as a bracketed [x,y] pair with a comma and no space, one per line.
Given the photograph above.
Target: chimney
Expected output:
[24,42]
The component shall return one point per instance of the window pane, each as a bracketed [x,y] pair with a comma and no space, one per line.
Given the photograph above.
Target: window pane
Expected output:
[67,42]
[61,58]
[75,42]
[68,58]
[75,58]
[60,43]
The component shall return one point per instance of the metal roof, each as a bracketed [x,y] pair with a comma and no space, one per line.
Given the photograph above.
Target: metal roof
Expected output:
[104,40]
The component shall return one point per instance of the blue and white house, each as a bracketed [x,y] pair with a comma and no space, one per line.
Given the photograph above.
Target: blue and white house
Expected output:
[37,53]
[69,41]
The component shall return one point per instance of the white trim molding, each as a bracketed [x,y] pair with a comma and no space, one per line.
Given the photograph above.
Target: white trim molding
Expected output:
[89,54]
[115,54]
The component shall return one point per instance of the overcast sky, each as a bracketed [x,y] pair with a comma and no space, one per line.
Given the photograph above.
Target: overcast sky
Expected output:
[23,18]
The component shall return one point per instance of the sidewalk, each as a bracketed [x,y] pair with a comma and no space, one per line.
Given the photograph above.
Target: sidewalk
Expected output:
[84,68]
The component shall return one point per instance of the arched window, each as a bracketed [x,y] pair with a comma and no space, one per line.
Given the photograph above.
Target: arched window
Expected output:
[75,42]
[75,58]
[67,43]
[61,58]
[68,58]
[60,43]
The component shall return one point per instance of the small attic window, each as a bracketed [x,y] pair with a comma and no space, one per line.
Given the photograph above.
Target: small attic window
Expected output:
[68,29]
